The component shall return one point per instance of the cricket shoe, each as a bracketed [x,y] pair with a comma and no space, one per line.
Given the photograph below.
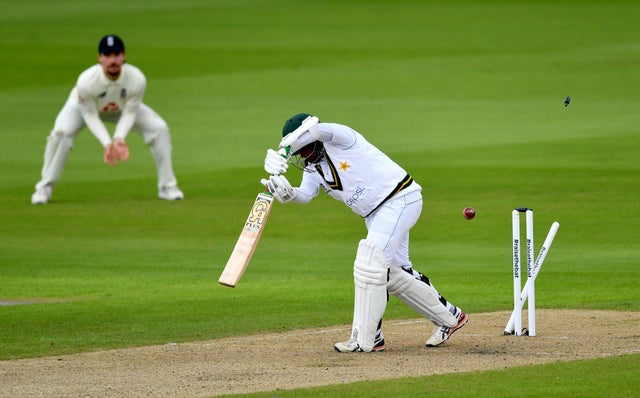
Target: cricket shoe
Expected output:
[170,193]
[442,333]
[353,346]
[42,195]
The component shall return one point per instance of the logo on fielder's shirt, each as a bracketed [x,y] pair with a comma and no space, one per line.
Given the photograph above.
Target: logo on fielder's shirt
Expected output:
[123,93]
[344,166]
[111,107]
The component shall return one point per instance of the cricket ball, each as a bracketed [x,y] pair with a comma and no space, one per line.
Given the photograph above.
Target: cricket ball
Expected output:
[469,213]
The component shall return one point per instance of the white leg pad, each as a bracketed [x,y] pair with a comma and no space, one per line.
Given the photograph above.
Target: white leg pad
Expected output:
[420,296]
[370,280]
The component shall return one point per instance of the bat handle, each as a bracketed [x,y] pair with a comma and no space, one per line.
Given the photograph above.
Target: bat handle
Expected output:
[284,152]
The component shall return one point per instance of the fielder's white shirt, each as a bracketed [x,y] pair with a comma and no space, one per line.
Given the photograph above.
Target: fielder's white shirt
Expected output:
[353,171]
[101,98]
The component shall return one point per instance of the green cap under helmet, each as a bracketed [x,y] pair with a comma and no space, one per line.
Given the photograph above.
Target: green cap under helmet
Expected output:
[293,123]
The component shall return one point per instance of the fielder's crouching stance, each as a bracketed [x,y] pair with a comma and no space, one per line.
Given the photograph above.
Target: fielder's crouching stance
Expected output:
[346,166]
[109,91]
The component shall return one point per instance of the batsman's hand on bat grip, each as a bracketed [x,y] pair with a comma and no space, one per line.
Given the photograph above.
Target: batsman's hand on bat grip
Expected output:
[274,163]
[280,188]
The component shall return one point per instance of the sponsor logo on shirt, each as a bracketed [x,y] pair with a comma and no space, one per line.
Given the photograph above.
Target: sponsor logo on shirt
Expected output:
[355,197]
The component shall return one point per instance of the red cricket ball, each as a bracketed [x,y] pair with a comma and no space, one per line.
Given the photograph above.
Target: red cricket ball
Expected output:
[469,213]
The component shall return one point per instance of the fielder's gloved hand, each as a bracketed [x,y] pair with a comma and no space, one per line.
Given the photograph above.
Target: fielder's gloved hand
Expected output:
[280,188]
[274,163]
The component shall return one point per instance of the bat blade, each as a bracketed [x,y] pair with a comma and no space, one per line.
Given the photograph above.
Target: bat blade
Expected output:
[248,240]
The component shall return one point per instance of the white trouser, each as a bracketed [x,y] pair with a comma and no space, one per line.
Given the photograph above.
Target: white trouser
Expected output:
[69,123]
[387,244]
[388,227]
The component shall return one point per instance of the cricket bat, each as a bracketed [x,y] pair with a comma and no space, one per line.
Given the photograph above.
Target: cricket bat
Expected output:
[248,240]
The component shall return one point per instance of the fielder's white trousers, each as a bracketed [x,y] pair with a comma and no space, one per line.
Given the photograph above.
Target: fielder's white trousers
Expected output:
[69,123]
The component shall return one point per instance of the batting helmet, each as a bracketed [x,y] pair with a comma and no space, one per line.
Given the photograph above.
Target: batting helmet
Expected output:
[310,153]
[293,123]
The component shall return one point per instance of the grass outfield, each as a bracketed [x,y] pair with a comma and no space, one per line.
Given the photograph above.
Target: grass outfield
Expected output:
[467,96]
[571,379]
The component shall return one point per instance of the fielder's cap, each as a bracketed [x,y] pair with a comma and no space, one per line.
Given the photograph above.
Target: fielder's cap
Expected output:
[293,123]
[110,43]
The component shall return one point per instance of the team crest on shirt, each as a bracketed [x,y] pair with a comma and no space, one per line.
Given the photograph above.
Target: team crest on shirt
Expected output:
[344,166]
[123,93]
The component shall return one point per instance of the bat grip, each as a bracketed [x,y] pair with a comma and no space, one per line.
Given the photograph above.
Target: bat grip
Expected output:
[284,152]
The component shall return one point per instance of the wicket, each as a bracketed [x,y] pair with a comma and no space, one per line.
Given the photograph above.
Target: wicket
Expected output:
[520,294]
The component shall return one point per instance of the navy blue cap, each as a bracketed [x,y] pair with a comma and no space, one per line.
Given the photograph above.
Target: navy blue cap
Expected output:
[110,43]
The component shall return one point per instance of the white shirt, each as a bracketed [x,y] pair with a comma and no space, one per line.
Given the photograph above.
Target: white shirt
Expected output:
[101,98]
[353,171]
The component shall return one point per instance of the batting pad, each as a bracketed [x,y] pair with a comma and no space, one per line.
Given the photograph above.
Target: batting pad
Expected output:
[370,280]
[420,296]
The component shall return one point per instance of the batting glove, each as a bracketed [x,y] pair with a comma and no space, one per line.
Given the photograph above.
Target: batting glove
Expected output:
[274,163]
[280,188]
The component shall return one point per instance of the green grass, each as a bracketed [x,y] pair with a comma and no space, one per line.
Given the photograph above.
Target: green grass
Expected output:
[567,379]
[467,96]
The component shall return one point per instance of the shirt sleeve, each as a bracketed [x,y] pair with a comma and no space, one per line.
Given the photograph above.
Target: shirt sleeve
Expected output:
[309,188]
[130,111]
[89,111]
[337,134]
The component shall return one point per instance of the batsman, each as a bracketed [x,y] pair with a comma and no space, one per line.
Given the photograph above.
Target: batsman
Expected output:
[341,162]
